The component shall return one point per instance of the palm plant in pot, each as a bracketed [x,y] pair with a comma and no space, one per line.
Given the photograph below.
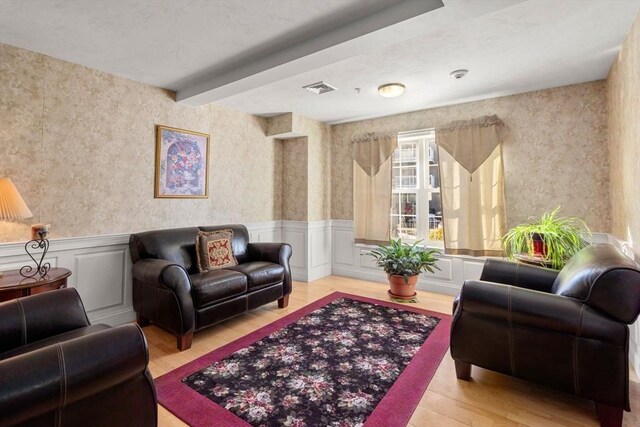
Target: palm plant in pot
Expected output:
[403,263]
[549,240]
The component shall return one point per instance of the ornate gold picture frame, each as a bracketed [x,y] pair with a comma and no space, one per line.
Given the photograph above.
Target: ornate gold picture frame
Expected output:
[182,163]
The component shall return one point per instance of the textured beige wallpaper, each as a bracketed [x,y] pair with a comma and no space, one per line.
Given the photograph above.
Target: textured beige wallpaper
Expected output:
[306,167]
[294,179]
[80,146]
[318,169]
[624,138]
[555,153]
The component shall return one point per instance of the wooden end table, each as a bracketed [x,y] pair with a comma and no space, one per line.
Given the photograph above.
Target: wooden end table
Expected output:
[13,285]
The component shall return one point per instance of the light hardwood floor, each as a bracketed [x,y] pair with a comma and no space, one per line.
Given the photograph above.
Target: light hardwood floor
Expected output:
[490,399]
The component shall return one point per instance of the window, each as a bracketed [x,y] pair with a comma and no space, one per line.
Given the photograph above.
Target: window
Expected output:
[416,208]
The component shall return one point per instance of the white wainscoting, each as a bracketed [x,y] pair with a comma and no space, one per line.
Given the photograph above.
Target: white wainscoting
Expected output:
[101,268]
[270,231]
[101,265]
[311,246]
[100,271]
[351,260]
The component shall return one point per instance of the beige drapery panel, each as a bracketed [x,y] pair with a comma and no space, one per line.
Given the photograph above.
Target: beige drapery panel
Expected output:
[472,186]
[371,155]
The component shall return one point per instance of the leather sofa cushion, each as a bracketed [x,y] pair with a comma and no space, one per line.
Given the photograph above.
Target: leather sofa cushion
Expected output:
[260,273]
[603,278]
[66,336]
[217,285]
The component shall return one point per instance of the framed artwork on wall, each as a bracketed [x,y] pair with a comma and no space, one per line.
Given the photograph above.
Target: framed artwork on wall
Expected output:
[182,163]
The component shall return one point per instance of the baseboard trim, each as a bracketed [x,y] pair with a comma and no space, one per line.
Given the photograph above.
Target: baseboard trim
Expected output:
[635,358]
[117,318]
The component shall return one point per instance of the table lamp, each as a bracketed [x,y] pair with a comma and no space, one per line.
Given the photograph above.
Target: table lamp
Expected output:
[12,206]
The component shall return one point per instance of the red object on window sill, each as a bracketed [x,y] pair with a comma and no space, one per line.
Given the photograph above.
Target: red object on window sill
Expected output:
[539,248]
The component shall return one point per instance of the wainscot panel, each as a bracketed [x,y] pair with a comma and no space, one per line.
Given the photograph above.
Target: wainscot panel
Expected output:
[352,260]
[100,271]
[311,245]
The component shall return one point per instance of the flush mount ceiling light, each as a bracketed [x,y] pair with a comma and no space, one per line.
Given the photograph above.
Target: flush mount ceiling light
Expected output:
[391,90]
[458,74]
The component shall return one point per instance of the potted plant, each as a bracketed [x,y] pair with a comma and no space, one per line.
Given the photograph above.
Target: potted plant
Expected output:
[549,240]
[403,263]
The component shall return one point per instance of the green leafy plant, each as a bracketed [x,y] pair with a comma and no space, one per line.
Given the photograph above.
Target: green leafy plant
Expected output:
[561,238]
[403,259]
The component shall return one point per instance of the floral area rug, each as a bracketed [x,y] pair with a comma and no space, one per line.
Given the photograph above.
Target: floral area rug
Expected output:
[342,361]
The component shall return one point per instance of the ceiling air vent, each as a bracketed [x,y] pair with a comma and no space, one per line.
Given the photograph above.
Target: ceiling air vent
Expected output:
[319,88]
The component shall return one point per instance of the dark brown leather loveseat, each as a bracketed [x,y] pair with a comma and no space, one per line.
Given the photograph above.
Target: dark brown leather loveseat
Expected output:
[58,370]
[565,330]
[169,290]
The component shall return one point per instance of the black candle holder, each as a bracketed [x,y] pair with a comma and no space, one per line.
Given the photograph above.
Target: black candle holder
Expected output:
[42,268]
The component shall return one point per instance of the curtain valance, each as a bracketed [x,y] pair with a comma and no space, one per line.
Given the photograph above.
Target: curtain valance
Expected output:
[471,142]
[371,150]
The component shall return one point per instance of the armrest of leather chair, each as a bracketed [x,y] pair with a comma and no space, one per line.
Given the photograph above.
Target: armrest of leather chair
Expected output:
[525,308]
[32,318]
[52,377]
[518,274]
[165,274]
[278,253]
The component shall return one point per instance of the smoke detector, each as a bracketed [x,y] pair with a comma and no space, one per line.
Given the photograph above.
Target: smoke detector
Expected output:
[319,88]
[458,74]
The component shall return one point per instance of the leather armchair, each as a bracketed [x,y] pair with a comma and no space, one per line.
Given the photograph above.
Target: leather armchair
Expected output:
[566,330]
[57,369]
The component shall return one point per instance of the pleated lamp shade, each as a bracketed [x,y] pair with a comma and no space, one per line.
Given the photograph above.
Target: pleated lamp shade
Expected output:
[12,206]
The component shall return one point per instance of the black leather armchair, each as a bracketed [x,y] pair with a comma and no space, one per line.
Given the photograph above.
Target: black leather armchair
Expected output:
[57,369]
[168,289]
[566,330]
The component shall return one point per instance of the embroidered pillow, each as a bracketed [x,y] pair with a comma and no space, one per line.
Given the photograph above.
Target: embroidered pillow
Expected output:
[214,250]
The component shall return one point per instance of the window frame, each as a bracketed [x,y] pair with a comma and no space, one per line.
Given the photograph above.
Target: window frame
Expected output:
[422,139]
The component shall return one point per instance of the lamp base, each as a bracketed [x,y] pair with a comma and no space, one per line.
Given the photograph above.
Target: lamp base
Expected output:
[42,268]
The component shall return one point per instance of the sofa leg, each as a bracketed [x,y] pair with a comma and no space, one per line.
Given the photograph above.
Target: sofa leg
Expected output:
[283,302]
[609,416]
[463,370]
[142,321]
[184,341]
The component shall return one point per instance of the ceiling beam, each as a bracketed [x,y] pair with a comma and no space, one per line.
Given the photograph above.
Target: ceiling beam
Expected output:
[342,41]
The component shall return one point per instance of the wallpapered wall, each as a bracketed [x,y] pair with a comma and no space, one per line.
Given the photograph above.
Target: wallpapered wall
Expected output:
[318,167]
[294,179]
[555,153]
[80,146]
[624,138]
[306,166]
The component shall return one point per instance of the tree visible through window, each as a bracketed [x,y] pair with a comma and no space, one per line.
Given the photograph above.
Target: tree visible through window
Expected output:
[416,207]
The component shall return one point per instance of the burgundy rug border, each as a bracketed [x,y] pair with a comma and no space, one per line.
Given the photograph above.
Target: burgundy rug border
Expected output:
[395,408]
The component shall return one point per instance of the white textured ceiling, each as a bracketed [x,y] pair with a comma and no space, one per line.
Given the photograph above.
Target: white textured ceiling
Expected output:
[266,50]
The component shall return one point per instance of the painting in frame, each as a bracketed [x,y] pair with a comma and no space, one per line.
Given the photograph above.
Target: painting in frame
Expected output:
[182,163]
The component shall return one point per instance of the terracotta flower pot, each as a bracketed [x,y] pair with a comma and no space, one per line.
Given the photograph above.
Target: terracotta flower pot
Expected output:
[400,288]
